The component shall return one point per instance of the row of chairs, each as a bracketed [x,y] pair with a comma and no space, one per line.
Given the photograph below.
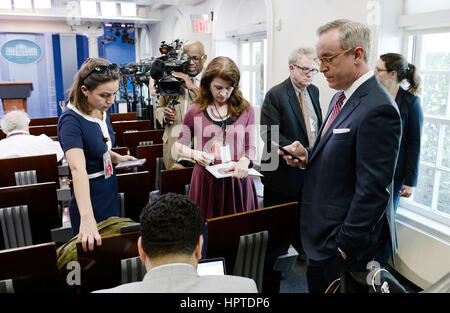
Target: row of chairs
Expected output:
[41,190]
[256,255]
[176,181]
[122,123]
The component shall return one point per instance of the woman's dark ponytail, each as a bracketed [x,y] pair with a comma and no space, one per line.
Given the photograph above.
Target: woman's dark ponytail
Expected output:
[397,62]
[414,80]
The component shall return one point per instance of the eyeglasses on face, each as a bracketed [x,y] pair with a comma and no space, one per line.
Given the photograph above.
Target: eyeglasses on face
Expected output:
[307,70]
[103,70]
[328,60]
[197,58]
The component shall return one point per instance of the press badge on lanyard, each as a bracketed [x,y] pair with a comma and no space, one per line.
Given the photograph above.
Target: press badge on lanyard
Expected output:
[218,147]
[107,164]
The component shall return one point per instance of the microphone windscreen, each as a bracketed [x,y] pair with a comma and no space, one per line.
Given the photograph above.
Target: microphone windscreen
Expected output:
[157,70]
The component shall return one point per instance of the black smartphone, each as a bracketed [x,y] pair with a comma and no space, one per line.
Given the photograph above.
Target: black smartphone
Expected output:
[286,152]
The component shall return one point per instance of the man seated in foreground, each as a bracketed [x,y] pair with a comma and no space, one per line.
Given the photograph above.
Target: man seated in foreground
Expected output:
[171,245]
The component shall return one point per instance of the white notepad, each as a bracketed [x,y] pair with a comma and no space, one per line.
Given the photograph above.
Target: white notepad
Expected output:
[218,170]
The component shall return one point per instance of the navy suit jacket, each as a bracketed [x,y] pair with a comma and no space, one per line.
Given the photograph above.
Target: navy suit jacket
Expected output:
[410,109]
[281,107]
[347,195]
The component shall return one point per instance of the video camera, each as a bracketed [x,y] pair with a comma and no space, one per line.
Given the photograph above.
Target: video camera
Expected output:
[173,59]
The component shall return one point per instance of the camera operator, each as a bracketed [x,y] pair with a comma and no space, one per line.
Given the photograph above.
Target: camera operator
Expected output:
[172,119]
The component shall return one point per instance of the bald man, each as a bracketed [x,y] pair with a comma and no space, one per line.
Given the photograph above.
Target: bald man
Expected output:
[172,119]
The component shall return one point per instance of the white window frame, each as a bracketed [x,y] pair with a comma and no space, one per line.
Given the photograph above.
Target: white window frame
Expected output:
[250,68]
[433,221]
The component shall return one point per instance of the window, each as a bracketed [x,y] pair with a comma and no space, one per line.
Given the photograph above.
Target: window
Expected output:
[252,60]
[430,52]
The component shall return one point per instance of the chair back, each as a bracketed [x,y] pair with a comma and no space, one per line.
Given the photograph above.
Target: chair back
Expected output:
[46,167]
[175,180]
[122,204]
[151,153]
[129,116]
[101,268]
[26,177]
[133,270]
[41,200]
[6,286]
[134,139]
[251,255]
[136,189]
[279,221]
[32,269]
[16,228]
[120,127]
[49,130]
[53,120]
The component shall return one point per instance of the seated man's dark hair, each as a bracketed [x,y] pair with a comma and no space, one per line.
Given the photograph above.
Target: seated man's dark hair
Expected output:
[171,224]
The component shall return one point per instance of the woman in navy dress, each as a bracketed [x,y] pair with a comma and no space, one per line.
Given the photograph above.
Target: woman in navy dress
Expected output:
[391,70]
[86,136]
[223,123]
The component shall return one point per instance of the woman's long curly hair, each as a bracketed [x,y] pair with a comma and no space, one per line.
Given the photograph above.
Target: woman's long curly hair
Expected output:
[227,70]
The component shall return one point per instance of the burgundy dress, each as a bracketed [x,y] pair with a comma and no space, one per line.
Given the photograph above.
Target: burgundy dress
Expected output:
[224,196]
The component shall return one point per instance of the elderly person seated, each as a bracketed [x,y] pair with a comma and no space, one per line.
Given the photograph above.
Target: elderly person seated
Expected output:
[19,142]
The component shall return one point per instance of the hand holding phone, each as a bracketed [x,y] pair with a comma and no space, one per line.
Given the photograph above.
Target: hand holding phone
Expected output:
[294,157]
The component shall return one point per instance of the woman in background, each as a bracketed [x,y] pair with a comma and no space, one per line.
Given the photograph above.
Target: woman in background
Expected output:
[222,122]
[391,70]
[86,136]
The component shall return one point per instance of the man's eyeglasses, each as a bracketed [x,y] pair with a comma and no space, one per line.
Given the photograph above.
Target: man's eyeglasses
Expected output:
[307,70]
[103,69]
[197,58]
[328,60]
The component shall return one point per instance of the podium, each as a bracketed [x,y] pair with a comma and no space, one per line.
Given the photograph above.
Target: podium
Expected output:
[14,95]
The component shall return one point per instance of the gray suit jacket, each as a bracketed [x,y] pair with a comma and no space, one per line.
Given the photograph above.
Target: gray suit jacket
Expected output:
[183,278]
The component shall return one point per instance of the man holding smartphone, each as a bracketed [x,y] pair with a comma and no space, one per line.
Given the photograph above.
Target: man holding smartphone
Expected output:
[347,212]
[290,112]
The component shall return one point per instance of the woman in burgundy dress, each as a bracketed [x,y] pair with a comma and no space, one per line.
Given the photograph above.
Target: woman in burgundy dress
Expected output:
[222,125]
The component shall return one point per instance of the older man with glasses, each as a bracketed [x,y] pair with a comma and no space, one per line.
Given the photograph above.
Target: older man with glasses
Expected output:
[172,118]
[290,112]
[347,213]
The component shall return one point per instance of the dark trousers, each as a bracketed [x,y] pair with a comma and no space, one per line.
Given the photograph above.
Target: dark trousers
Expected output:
[320,274]
[274,198]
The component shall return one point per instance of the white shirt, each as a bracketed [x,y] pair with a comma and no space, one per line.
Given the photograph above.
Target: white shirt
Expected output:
[350,90]
[21,144]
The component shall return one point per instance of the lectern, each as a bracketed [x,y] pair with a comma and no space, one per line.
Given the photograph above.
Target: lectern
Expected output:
[14,95]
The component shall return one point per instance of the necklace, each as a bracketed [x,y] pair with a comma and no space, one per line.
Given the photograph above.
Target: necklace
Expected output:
[214,115]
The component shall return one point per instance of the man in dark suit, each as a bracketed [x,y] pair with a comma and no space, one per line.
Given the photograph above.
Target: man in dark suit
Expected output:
[347,212]
[291,111]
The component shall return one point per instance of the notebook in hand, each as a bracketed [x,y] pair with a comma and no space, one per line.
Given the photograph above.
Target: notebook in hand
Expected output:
[218,170]
[130,164]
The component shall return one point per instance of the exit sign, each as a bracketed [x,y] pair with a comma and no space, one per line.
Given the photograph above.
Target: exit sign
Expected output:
[201,23]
